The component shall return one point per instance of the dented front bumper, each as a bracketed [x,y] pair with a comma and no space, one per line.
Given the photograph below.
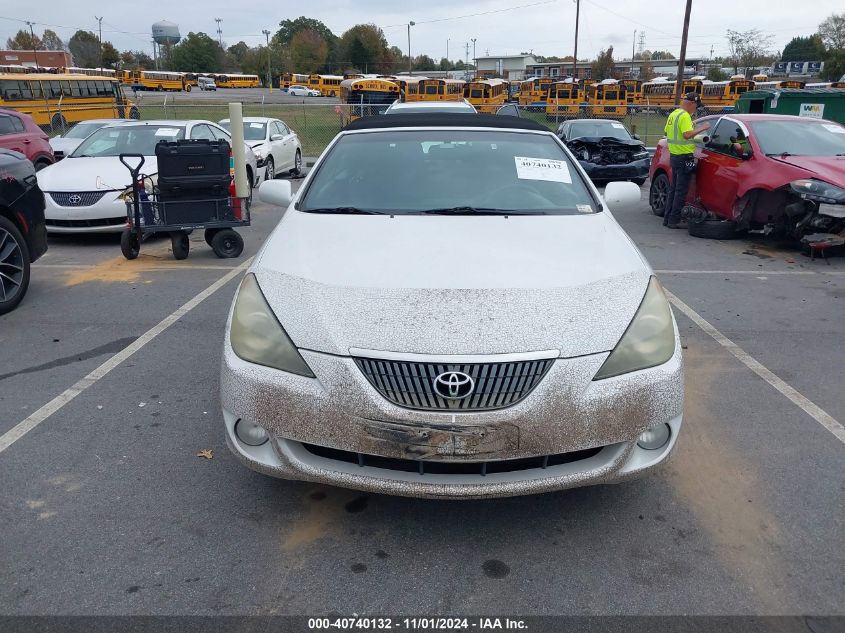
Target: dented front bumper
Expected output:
[567,413]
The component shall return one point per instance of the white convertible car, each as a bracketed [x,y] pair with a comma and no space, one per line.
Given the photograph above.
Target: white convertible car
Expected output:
[82,193]
[449,309]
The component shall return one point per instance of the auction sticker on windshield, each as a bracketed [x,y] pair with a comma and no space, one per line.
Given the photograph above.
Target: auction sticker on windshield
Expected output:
[542,169]
[167,131]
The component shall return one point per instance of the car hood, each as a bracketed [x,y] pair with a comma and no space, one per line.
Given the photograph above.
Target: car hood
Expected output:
[828,168]
[66,145]
[452,285]
[91,174]
[606,140]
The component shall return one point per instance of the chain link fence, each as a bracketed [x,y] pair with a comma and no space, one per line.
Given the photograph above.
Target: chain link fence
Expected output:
[317,121]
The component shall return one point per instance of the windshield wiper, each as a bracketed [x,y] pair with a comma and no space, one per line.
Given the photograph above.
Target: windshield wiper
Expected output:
[345,211]
[467,210]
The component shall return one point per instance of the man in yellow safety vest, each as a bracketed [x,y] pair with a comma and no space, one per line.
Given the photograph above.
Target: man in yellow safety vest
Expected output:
[680,132]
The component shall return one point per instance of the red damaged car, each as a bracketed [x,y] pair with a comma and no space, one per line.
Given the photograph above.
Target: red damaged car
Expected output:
[764,173]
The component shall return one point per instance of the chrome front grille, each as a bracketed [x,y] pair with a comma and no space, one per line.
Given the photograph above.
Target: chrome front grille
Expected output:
[77,198]
[412,384]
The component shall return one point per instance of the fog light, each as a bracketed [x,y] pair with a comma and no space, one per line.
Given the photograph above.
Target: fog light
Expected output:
[250,434]
[656,437]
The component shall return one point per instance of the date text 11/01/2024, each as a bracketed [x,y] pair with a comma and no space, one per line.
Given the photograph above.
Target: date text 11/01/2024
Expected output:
[415,624]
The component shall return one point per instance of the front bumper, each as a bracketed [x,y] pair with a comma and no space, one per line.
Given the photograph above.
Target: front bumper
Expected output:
[107,215]
[566,413]
[636,169]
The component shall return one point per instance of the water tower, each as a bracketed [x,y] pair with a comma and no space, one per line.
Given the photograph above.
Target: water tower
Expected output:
[165,34]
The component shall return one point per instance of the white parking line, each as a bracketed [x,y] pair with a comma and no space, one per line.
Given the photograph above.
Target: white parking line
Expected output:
[25,426]
[805,404]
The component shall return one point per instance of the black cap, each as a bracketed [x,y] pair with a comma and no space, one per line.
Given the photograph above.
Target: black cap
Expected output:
[692,96]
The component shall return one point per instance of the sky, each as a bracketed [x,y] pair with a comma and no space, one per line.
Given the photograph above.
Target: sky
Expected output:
[500,27]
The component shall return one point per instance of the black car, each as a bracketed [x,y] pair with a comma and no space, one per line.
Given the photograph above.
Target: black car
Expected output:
[23,233]
[606,150]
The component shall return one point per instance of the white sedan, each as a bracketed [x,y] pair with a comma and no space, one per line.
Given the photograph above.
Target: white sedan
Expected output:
[404,333]
[83,192]
[64,144]
[276,146]
[303,91]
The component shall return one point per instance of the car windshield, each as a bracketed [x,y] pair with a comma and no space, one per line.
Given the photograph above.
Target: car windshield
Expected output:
[800,138]
[127,139]
[451,170]
[601,129]
[82,130]
[252,131]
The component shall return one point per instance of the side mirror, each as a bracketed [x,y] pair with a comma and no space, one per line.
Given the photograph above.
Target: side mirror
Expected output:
[275,192]
[636,137]
[619,195]
[276,137]
[509,109]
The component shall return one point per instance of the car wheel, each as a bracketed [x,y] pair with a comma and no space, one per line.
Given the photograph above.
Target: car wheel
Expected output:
[638,181]
[14,266]
[297,164]
[714,229]
[657,194]
[130,244]
[271,169]
[41,164]
[227,244]
[181,244]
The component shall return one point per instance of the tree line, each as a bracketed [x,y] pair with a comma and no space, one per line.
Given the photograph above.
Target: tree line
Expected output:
[303,45]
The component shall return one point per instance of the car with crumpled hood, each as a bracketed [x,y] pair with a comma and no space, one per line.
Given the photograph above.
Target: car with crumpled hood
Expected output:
[606,150]
[405,333]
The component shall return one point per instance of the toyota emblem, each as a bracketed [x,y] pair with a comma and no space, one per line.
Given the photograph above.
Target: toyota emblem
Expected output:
[454,385]
[74,198]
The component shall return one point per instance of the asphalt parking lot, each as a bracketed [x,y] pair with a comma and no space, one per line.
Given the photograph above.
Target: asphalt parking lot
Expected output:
[107,509]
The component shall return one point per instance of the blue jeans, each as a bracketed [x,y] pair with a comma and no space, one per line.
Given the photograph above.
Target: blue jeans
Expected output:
[678,188]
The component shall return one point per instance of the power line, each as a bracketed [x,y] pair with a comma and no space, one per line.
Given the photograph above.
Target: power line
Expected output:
[473,15]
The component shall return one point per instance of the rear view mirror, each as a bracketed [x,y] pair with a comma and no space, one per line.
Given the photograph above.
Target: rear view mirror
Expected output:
[275,192]
[621,195]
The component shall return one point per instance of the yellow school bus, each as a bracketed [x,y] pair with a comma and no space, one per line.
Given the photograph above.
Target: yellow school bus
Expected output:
[366,97]
[157,80]
[58,100]
[231,80]
[93,72]
[286,80]
[607,100]
[721,96]
[564,99]
[660,93]
[191,79]
[487,95]
[777,85]
[328,85]
[534,91]
[409,87]
[437,90]
[633,90]
[9,69]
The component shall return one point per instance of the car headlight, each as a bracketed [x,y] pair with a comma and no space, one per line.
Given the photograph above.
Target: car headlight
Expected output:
[258,337]
[818,190]
[639,155]
[260,152]
[649,340]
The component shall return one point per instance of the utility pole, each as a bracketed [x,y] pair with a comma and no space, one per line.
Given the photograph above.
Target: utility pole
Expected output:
[447,50]
[633,48]
[219,31]
[410,59]
[682,61]
[34,48]
[575,60]
[474,59]
[100,20]
[269,75]
[466,60]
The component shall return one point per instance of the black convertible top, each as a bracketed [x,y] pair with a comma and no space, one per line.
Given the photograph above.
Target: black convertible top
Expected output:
[445,120]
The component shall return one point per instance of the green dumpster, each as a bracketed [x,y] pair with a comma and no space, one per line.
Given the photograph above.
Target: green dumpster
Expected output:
[816,103]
